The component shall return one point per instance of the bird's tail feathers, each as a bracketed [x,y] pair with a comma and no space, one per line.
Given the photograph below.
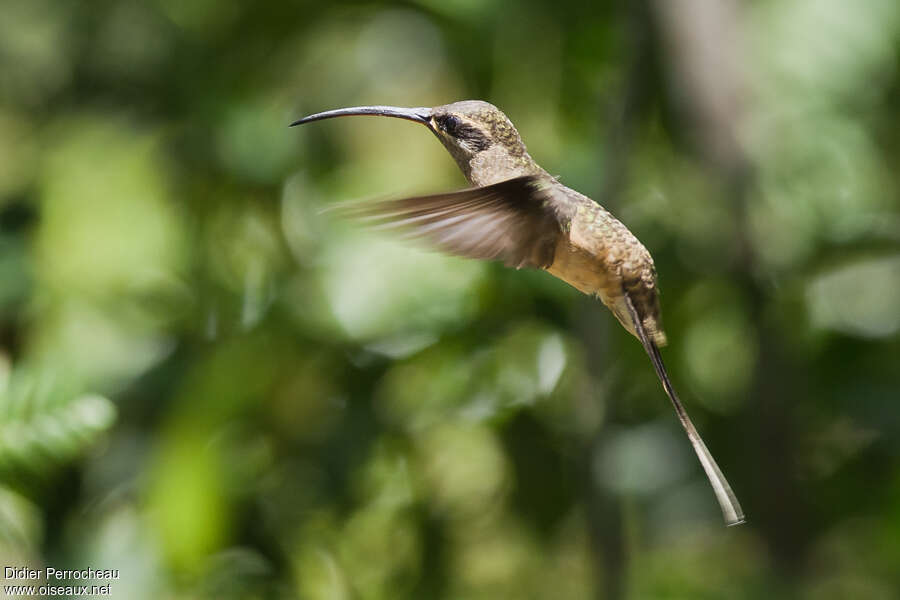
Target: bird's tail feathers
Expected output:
[731,508]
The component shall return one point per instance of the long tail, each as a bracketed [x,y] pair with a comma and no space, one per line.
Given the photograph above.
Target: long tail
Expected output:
[731,508]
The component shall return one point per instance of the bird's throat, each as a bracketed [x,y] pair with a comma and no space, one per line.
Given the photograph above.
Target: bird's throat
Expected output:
[497,164]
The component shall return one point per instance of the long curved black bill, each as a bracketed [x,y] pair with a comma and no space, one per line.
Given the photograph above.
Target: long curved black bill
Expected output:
[419,115]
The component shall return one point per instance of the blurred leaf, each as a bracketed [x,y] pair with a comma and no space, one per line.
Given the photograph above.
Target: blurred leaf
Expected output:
[464,472]
[860,298]
[377,287]
[35,49]
[20,524]
[641,459]
[44,425]
[186,504]
[108,223]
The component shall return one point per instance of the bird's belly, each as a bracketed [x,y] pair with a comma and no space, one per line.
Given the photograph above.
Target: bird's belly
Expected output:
[583,271]
[586,273]
[595,269]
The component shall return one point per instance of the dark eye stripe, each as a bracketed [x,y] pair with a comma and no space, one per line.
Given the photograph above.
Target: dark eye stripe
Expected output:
[455,126]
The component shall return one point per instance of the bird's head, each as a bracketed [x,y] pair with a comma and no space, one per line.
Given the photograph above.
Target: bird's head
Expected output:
[481,139]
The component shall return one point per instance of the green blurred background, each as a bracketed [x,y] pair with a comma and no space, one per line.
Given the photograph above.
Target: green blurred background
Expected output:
[225,393]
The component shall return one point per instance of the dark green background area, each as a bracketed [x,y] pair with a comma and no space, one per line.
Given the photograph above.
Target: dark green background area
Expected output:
[214,386]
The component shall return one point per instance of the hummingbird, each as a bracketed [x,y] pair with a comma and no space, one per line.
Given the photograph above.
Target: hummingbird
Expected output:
[518,213]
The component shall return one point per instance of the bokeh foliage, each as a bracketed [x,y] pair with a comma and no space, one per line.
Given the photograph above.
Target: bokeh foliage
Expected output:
[212,385]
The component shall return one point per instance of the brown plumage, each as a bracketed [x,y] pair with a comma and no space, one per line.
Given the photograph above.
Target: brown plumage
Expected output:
[519,214]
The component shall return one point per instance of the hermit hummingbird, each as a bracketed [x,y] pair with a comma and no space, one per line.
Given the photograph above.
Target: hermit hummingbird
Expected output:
[518,213]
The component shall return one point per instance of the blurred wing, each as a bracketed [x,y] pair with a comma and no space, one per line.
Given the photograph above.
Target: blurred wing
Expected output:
[512,221]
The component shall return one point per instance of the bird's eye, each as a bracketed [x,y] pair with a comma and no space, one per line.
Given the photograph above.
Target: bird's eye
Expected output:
[451,124]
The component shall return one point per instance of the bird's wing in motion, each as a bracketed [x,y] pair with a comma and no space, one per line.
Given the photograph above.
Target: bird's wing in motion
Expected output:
[510,221]
[731,508]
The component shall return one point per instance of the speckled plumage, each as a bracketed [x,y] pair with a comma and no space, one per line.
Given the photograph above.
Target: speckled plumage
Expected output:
[593,251]
[520,214]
